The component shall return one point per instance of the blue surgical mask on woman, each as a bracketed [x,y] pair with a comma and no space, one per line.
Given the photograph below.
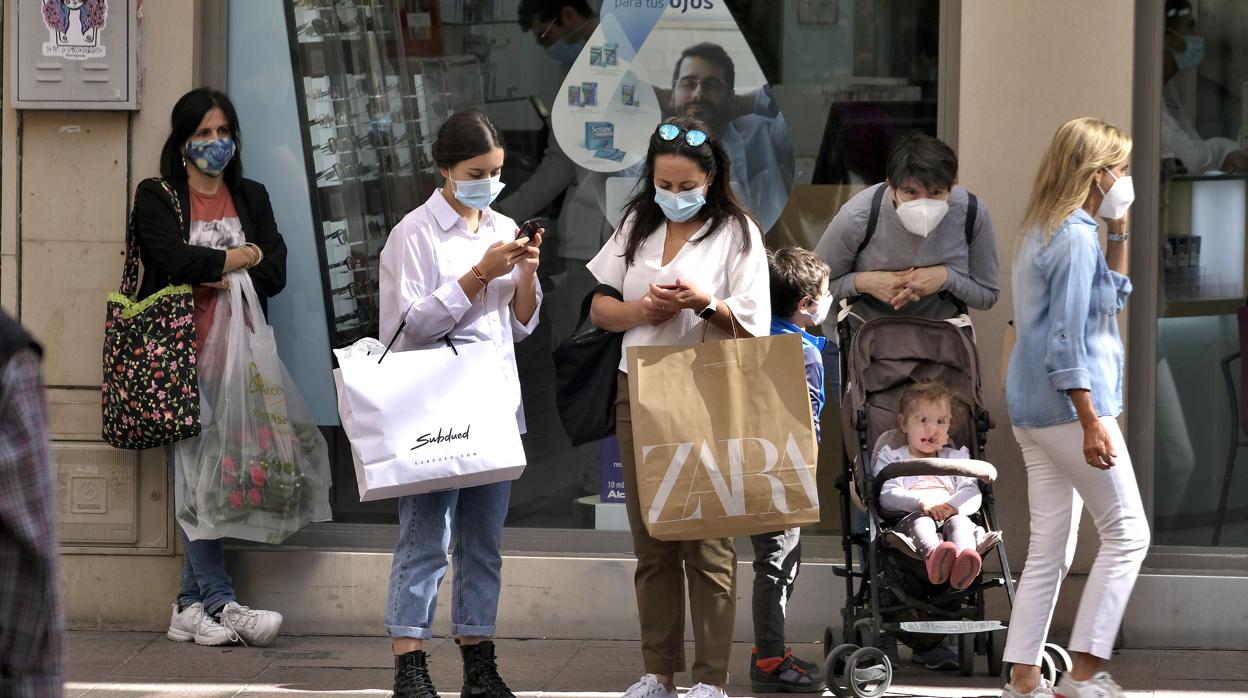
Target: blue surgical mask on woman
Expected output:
[1193,53]
[210,157]
[680,207]
[478,193]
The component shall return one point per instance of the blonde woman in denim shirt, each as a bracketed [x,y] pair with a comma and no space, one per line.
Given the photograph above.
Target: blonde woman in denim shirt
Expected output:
[1064,390]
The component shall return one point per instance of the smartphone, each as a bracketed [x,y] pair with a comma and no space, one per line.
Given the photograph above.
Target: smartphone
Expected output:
[530,227]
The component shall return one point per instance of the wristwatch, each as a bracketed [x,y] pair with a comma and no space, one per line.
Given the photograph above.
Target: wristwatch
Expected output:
[709,311]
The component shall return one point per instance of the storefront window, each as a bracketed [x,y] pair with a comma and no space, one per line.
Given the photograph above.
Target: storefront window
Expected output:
[1201,435]
[813,91]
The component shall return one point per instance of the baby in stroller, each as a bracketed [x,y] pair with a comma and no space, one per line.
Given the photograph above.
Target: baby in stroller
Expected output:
[940,506]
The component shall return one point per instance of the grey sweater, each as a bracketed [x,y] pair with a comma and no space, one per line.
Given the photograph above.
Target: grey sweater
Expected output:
[972,272]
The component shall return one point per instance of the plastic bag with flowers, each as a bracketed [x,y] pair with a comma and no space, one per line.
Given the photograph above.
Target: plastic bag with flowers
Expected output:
[260,468]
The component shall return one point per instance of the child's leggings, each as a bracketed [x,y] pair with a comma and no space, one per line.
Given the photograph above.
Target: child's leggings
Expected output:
[927,533]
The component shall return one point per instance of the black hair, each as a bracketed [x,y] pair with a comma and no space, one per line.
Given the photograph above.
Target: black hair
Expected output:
[794,273]
[925,158]
[721,204]
[708,52]
[532,12]
[184,120]
[463,136]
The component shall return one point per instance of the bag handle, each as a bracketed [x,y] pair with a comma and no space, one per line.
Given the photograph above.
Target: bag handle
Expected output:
[604,289]
[130,270]
[399,331]
[732,320]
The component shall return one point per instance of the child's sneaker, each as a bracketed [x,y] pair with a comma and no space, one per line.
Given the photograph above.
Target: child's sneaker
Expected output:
[786,674]
[1044,689]
[256,628]
[648,687]
[705,690]
[192,624]
[1101,685]
[966,567]
[940,561]
[938,658]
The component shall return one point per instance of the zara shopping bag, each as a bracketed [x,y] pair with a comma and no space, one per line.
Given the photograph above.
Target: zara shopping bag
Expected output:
[260,468]
[723,437]
[428,419]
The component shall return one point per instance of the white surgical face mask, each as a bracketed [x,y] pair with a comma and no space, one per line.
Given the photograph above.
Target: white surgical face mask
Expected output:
[921,216]
[821,311]
[1117,199]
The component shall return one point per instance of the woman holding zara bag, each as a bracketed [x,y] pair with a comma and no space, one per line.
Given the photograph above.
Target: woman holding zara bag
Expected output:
[686,252]
[1064,392]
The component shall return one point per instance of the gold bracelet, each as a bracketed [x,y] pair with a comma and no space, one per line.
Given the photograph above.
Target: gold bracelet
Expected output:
[258,254]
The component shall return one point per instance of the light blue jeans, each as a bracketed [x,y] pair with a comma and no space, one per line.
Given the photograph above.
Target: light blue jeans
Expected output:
[203,566]
[467,523]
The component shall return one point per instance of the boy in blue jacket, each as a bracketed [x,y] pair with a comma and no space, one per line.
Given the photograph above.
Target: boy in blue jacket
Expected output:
[799,299]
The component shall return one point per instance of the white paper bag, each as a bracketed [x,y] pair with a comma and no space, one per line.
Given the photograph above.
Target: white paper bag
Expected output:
[429,419]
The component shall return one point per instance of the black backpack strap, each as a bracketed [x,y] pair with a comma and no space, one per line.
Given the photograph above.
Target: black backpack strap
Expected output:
[876,201]
[972,211]
[604,289]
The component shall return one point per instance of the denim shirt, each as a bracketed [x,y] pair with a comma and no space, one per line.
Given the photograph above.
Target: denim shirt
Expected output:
[1066,302]
[812,355]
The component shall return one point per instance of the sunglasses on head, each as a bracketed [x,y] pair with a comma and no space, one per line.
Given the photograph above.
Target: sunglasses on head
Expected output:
[694,137]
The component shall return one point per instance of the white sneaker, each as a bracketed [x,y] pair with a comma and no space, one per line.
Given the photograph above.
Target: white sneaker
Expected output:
[705,690]
[648,687]
[193,624]
[1101,685]
[1044,689]
[257,628]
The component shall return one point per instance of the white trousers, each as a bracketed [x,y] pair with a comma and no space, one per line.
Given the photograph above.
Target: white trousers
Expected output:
[1059,484]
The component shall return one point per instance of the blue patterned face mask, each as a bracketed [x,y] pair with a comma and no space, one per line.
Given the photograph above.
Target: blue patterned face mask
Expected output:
[210,157]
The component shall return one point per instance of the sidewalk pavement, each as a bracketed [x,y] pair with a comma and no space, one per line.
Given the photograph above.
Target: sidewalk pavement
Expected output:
[128,665]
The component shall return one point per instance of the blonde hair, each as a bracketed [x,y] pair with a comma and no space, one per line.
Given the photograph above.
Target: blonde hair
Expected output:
[1080,148]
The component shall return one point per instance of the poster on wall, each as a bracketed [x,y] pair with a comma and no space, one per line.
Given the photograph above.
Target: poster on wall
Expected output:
[652,59]
[74,28]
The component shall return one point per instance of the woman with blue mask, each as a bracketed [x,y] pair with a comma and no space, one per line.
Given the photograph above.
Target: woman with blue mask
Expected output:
[687,255]
[455,270]
[202,223]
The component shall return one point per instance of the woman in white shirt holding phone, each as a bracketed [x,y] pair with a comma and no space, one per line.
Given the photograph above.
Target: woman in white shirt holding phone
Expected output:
[453,269]
[686,252]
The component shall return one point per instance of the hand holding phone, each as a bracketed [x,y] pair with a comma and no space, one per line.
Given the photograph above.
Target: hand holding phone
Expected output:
[529,228]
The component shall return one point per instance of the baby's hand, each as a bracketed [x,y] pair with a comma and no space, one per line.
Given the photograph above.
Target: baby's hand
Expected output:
[940,512]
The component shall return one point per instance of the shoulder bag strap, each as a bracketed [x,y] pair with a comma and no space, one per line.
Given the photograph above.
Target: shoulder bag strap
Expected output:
[972,211]
[130,270]
[874,219]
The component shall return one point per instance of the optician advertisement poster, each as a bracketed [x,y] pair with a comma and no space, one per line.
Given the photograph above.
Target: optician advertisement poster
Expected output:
[651,59]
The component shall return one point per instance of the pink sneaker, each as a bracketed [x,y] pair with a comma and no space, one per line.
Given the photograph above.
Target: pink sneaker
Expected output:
[939,561]
[966,567]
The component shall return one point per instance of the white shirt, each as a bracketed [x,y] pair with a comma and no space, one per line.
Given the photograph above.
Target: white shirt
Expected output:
[424,257]
[715,265]
[898,494]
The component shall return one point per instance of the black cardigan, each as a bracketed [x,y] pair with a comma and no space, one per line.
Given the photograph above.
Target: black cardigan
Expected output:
[168,258]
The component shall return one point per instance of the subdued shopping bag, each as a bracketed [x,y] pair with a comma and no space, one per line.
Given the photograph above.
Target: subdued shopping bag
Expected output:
[428,419]
[723,437]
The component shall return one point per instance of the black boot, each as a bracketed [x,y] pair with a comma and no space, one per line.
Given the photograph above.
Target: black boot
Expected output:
[411,676]
[481,679]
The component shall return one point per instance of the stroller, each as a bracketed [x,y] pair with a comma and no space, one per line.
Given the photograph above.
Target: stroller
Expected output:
[879,359]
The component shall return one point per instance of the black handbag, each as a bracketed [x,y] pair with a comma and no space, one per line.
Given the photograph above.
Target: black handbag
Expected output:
[586,375]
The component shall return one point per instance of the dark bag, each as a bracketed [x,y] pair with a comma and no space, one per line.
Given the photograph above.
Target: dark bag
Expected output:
[150,389]
[587,367]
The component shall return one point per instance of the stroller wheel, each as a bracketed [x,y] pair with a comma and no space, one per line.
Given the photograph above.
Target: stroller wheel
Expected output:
[1060,658]
[834,665]
[966,654]
[996,653]
[868,674]
[829,640]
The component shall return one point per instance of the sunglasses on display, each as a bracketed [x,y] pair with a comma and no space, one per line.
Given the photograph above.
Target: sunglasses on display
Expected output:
[355,263]
[693,137]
